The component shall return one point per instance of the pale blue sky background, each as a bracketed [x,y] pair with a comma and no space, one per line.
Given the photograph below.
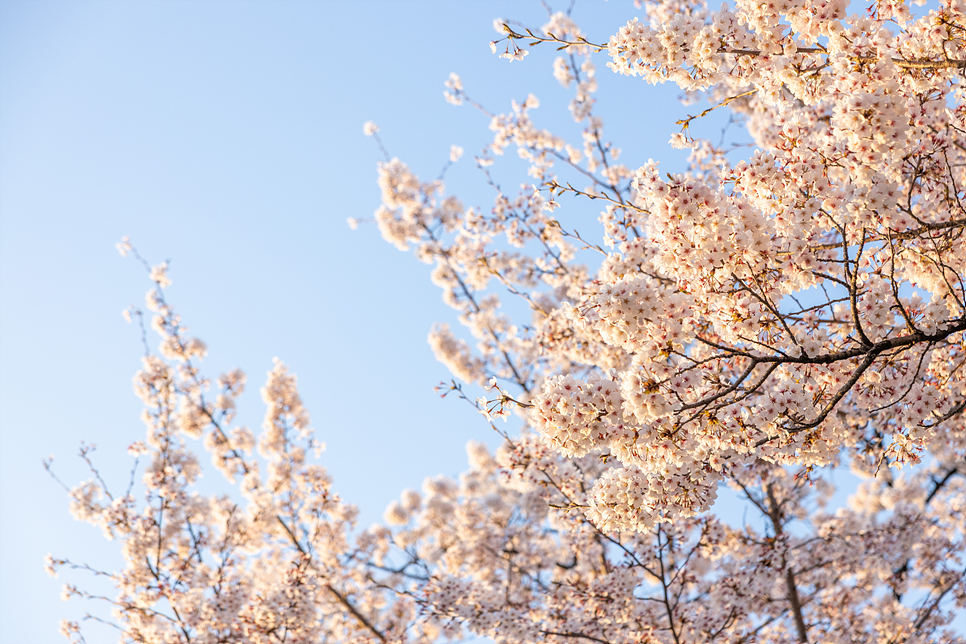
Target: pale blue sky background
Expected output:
[227,137]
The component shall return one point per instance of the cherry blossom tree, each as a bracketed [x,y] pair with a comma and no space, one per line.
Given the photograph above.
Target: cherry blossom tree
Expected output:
[771,313]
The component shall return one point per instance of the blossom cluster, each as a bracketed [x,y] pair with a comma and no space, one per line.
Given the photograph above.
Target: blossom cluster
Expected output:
[540,541]
[765,307]
[740,328]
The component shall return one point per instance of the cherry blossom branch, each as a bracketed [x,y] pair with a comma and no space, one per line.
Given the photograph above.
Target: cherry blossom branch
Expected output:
[362,619]
[774,513]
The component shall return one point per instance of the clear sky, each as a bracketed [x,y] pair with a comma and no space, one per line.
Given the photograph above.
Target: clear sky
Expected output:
[227,137]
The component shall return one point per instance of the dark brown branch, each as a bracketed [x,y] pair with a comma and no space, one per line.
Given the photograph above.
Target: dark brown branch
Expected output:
[774,513]
[342,599]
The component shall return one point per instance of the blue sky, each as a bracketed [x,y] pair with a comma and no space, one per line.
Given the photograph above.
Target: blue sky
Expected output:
[227,138]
